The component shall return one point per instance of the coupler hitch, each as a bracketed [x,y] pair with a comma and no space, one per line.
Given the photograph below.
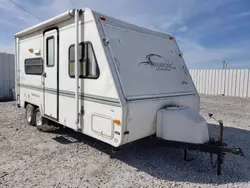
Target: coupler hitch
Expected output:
[222,146]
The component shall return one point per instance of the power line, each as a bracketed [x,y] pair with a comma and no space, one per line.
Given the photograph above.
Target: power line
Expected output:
[19,6]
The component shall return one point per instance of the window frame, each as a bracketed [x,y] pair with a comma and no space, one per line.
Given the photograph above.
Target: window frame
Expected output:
[73,45]
[36,58]
[47,50]
[82,59]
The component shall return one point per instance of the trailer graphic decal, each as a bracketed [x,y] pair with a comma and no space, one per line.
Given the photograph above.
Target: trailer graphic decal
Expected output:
[158,62]
[70,94]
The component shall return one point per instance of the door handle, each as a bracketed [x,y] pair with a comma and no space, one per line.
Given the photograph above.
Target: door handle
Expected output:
[42,77]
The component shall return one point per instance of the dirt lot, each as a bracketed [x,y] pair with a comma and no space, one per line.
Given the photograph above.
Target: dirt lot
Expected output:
[29,158]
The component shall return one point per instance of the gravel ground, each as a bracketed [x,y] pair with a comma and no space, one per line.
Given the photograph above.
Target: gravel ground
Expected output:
[29,158]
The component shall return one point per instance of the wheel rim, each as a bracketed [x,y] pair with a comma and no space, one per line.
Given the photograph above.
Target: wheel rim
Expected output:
[38,118]
[29,115]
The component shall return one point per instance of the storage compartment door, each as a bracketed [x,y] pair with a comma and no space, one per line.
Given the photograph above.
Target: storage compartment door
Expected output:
[102,126]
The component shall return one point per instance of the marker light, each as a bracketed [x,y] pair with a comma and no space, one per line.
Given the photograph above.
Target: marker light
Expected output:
[116,121]
[171,37]
[31,50]
[103,18]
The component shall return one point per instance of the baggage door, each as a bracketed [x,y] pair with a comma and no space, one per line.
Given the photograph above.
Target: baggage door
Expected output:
[51,73]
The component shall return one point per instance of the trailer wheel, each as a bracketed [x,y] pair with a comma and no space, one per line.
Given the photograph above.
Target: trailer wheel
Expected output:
[42,124]
[29,114]
[38,118]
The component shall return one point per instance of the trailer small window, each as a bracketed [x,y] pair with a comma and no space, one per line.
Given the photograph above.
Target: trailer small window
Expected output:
[72,52]
[33,66]
[50,51]
[88,67]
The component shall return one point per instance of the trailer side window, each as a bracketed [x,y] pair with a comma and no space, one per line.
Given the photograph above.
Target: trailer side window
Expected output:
[88,67]
[50,51]
[33,66]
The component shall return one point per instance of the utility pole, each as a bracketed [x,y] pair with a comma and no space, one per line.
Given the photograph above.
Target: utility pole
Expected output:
[224,63]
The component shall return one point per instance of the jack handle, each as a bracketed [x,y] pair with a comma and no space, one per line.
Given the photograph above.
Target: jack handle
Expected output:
[220,142]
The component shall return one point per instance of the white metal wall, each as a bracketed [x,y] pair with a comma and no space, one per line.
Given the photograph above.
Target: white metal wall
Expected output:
[7,75]
[230,82]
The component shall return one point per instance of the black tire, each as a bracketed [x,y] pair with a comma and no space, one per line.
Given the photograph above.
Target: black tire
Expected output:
[38,117]
[29,114]
[41,123]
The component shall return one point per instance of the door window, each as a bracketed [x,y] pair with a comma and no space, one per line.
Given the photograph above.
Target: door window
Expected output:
[50,51]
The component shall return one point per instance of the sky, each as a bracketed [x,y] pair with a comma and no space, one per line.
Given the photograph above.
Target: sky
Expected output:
[207,32]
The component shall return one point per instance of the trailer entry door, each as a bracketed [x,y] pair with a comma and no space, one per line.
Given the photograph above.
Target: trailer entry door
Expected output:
[51,74]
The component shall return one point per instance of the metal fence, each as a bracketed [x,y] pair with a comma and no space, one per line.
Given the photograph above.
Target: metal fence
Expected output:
[7,76]
[229,82]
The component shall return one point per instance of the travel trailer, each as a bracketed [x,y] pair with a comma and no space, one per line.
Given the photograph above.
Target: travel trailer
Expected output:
[111,80]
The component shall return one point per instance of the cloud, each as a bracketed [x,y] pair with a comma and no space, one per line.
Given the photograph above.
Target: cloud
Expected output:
[162,15]
[198,55]
[182,29]
[244,14]
[8,23]
[13,14]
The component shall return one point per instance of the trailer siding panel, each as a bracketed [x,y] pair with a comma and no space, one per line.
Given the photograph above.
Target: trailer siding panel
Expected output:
[248,84]
[228,82]
[7,75]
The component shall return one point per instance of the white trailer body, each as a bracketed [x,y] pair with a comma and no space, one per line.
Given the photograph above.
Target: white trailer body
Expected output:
[130,79]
